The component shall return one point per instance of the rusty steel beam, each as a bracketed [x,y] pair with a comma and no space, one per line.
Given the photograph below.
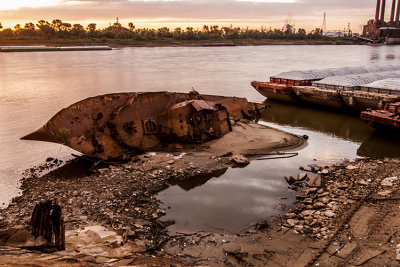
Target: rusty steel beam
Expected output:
[398,11]
[383,10]
[378,9]
[393,10]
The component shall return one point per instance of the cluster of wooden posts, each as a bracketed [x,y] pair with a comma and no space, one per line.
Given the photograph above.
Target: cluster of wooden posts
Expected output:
[48,221]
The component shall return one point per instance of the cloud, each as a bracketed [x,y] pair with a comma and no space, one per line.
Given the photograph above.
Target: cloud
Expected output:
[252,12]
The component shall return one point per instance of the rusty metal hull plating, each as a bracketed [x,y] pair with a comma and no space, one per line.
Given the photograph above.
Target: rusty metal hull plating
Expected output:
[110,126]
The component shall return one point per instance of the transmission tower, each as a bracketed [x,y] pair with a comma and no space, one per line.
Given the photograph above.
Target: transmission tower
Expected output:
[324,23]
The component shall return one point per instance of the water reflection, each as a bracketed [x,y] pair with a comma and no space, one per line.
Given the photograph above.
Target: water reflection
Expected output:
[199,180]
[238,197]
[326,121]
[347,126]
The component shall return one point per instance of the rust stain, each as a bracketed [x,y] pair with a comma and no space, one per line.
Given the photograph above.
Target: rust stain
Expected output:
[113,125]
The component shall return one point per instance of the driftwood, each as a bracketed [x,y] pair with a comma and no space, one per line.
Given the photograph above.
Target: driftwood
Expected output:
[48,221]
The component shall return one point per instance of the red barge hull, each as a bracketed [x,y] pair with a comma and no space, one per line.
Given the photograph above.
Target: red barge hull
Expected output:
[388,118]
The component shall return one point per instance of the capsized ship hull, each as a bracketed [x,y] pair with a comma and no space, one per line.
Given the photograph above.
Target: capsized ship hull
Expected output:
[110,126]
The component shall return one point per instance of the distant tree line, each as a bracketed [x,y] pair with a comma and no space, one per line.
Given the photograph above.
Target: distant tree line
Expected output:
[58,29]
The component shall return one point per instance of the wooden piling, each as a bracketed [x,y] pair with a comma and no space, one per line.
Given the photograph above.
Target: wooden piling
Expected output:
[48,221]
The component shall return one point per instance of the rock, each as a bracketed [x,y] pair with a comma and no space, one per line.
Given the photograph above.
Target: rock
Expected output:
[171,161]
[310,191]
[398,252]
[307,212]
[20,238]
[319,205]
[329,213]
[290,215]
[166,223]
[351,167]
[384,193]
[315,223]
[388,181]
[240,160]
[324,200]
[262,225]
[308,201]
[319,181]
[302,176]
[281,206]
[227,154]
[231,248]
[362,182]
[290,179]
[292,222]
[325,171]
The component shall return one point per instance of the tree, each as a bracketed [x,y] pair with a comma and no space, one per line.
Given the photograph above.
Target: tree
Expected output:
[45,29]
[131,26]
[29,26]
[91,28]
[301,32]
[78,30]
[56,24]
[1,27]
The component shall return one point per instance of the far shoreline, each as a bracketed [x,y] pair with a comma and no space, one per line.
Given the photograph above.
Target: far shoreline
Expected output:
[115,43]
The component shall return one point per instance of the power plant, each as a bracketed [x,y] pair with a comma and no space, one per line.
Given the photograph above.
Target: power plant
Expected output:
[378,30]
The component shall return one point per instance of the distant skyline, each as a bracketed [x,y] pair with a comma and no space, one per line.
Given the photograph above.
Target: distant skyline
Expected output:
[306,14]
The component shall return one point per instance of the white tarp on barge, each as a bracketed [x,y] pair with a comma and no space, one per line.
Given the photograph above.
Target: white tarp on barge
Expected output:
[354,82]
[318,74]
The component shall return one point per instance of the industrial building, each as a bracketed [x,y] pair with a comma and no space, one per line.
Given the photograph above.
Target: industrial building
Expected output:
[378,30]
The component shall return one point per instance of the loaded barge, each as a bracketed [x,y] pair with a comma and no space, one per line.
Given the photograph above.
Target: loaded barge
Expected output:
[42,48]
[340,88]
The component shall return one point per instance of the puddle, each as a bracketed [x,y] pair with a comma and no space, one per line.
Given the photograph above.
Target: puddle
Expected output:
[233,200]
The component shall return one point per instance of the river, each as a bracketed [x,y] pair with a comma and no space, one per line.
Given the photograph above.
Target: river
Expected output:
[34,86]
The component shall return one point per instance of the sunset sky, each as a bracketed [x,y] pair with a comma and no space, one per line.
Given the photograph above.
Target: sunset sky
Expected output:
[306,14]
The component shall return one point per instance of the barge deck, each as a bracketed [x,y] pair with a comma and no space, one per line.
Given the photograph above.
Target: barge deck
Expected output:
[341,88]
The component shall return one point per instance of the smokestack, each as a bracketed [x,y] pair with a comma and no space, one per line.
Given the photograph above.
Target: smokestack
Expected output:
[393,10]
[398,11]
[383,10]
[378,9]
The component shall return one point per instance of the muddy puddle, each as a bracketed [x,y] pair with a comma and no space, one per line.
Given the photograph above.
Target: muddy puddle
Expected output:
[232,200]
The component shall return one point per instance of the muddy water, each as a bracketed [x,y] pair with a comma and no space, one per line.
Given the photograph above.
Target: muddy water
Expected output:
[232,201]
[34,86]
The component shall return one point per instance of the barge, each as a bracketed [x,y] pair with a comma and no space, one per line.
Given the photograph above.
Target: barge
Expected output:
[344,92]
[388,118]
[115,125]
[338,88]
[40,48]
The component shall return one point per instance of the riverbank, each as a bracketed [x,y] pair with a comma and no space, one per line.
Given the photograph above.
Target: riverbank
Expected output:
[175,43]
[121,199]
[345,214]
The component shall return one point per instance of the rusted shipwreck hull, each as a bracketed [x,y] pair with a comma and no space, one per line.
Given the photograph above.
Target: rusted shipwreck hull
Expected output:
[111,126]
[386,119]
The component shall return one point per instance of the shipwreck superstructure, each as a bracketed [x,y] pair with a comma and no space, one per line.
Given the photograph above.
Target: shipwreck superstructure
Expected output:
[113,125]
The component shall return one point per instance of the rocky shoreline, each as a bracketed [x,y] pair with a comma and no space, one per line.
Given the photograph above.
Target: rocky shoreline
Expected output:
[345,213]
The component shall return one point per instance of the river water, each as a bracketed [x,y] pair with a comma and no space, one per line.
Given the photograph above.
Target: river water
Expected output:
[34,86]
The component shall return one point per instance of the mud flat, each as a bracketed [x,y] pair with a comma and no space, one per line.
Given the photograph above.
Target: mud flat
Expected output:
[118,199]
[346,214]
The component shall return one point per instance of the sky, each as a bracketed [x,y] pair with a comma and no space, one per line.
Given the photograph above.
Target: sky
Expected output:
[306,14]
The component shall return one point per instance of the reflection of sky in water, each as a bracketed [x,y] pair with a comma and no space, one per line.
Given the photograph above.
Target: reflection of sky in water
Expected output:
[242,196]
